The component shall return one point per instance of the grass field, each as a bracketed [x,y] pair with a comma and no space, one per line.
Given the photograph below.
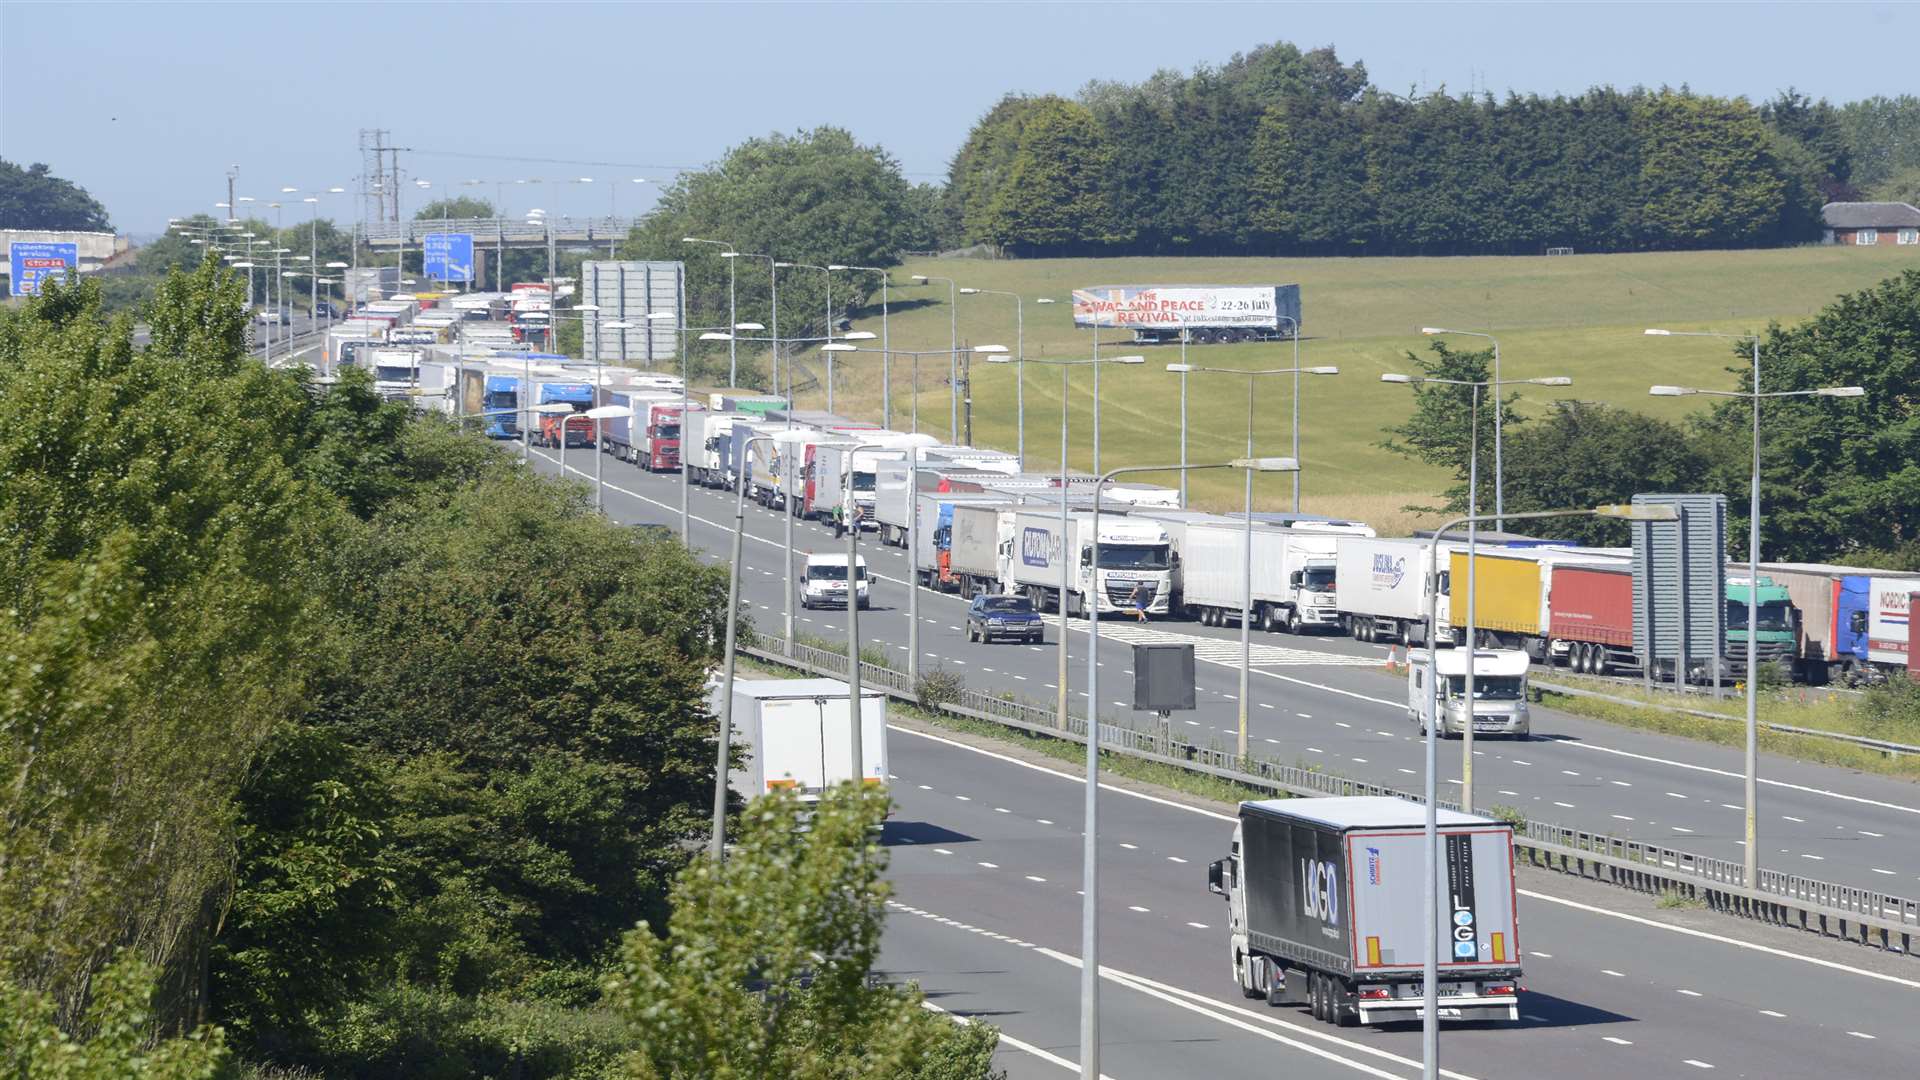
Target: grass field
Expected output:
[1579,316]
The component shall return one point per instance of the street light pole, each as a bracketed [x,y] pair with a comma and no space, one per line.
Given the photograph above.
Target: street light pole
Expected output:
[733,314]
[718,844]
[853,624]
[1246,540]
[1090,850]
[1473,557]
[953,354]
[1750,855]
[1430,894]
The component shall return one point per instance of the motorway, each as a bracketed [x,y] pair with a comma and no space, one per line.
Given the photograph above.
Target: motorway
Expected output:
[1327,702]
[985,852]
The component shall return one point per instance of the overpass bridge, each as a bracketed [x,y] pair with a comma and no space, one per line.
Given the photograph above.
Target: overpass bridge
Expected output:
[498,233]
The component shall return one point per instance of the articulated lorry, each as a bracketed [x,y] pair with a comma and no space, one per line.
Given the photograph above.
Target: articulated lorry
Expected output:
[1853,620]
[1325,908]
[708,438]
[1205,313]
[558,429]
[1383,590]
[798,734]
[980,546]
[1294,576]
[651,439]
[1135,571]
[844,485]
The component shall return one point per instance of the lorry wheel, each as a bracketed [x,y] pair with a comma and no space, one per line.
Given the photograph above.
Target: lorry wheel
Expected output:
[1599,663]
[1344,1016]
[1317,996]
[1293,621]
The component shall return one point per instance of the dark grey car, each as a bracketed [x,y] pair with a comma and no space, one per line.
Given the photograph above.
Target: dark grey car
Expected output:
[1010,617]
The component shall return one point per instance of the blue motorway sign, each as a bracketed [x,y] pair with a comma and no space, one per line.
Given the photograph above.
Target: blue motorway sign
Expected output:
[449,256]
[28,263]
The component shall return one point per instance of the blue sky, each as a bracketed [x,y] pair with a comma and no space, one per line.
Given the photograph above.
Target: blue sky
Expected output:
[147,104]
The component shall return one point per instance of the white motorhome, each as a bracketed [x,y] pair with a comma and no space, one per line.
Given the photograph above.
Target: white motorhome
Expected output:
[1499,691]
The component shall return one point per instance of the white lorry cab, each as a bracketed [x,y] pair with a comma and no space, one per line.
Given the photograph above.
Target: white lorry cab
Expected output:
[1499,691]
[825,581]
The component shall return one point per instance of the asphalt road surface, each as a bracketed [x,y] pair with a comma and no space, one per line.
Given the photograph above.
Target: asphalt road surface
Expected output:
[1328,702]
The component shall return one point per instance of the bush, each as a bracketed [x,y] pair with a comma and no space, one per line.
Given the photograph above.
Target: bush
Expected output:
[1891,710]
[938,686]
[432,1034]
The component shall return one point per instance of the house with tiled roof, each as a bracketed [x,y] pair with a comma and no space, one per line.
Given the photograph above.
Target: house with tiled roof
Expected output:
[1865,224]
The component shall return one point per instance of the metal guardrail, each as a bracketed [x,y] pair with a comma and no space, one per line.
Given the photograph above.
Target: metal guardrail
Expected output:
[1893,749]
[1860,915]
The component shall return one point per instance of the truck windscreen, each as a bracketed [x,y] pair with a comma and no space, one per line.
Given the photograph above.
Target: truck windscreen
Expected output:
[1133,556]
[1773,616]
[666,431]
[1317,579]
[863,481]
[500,399]
[392,373]
[1486,687]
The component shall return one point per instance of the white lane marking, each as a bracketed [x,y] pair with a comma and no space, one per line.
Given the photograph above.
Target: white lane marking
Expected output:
[1129,847]
[1614,1039]
[1568,772]
[1603,971]
[940,850]
[1175,858]
[1535,952]
[1065,776]
[1343,723]
[1563,805]
[1359,760]
[1731,806]
[997,809]
[1875,869]
[1310,749]
[1705,936]
[988,865]
[1804,855]
[1619,783]
[1689,993]
[1043,821]
[962,798]
[1409,772]
[1698,1064]
[1529,893]
[1130,907]
[1775,1015]
[1875,835]
[1198,925]
[1788,817]
[923,787]
[1855,1034]
[1030,877]
[1027,1047]
[1622,817]
[1802,788]
[1680,829]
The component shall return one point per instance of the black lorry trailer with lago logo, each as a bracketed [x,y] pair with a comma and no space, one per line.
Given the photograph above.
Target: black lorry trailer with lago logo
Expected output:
[1325,908]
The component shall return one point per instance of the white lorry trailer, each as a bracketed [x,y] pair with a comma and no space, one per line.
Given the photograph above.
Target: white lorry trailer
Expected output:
[1294,577]
[1382,589]
[1203,313]
[980,546]
[798,734]
[1136,562]
[1325,908]
[709,437]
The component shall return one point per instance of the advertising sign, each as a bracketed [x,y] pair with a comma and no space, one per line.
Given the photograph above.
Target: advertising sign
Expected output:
[1173,306]
[448,256]
[28,263]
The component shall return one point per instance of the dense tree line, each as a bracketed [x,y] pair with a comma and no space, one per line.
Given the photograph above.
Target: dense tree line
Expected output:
[34,198]
[333,738]
[1840,478]
[1283,152]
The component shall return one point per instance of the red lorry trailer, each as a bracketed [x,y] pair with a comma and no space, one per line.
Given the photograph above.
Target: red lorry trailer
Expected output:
[1591,610]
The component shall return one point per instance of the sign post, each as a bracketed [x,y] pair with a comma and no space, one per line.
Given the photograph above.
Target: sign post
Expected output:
[31,263]
[448,256]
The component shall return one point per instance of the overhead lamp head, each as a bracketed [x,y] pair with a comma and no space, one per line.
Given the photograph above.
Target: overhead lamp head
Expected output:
[1638,511]
[989,348]
[656,316]
[1396,377]
[586,307]
[729,254]
[919,277]
[838,266]
[1127,360]
[1659,333]
[783,265]
[834,346]
[1431,330]
[1266,464]
[715,335]
[968,290]
[609,412]
[337,266]
[617,325]
[1671,391]
[1181,369]
[1328,370]
[859,335]
[999,359]
[1842,391]
[1046,300]
[1552,380]
[748,326]
[288,190]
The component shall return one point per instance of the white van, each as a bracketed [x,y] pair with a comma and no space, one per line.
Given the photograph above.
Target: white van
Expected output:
[1499,691]
[825,582]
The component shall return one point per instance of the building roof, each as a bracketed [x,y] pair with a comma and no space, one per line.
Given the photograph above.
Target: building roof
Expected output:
[1870,215]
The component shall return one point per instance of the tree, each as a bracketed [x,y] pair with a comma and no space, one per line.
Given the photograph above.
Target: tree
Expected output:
[1837,476]
[1903,186]
[1441,433]
[1882,136]
[1586,454]
[764,969]
[35,1043]
[984,164]
[1054,200]
[1710,176]
[1816,126]
[34,198]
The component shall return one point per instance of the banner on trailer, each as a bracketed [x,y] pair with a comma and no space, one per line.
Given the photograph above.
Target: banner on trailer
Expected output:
[1128,306]
[29,263]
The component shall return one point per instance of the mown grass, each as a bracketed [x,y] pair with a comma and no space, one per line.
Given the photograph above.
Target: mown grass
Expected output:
[1799,707]
[1580,316]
